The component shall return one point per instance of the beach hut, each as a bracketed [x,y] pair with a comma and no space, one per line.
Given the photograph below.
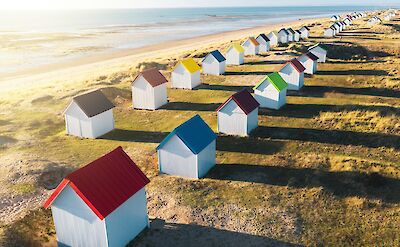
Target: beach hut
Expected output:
[329,32]
[251,46]
[297,35]
[309,62]
[189,150]
[283,36]
[347,21]
[263,40]
[238,115]
[335,18]
[186,74]
[89,115]
[291,34]
[270,92]
[101,204]
[337,28]
[273,38]
[293,74]
[235,54]
[320,51]
[305,32]
[214,63]
[149,90]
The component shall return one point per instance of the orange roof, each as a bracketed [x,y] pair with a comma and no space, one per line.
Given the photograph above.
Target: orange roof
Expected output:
[254,41]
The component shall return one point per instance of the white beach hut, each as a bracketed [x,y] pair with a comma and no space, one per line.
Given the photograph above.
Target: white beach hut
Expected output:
[293,74]
[336,27]
[291,34]
[264,42]
[297,35]
[320,51]
[283,36]
[273,38]
[309,62]
[305,32]
[270,92]
[329,32]
[238,115]
[235,54]
[189,150]
[149,90]
[186,74]
[102,204]
[89,115]
[251,46]
[214,63]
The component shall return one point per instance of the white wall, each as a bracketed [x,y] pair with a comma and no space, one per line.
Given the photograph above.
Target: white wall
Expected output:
[328,33]
[144,96]
[283,38]
[206,159]
[234,57]
[304,33]
[309,64]
[102,123]
[76,224]
[181,78]
[195,79]
[175,158]
[252,120]
[232,120]
[269,97]
[160,95]
[264,46]
[292,77]
[273,40]
[250,48]
[128,220]
[320,53]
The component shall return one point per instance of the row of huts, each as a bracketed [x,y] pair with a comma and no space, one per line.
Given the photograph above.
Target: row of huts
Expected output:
[104,203]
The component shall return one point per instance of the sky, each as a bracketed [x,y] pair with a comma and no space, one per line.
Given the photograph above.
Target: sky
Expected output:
[91,4]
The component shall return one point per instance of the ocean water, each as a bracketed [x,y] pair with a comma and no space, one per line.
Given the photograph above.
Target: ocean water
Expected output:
[30,39]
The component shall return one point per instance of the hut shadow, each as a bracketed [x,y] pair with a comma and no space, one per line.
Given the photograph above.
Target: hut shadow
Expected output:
[224,87]
[353,72]
[167,234]
[394,26]
[135,136]
[339,183]
[319,91]
[190,106]
[354,61]
[248,145]
[247,72]
[313,110]
[338,137]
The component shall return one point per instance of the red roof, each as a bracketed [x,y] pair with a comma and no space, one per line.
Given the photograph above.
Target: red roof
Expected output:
[244,100]
[296,64]
[312,56]
[105,183]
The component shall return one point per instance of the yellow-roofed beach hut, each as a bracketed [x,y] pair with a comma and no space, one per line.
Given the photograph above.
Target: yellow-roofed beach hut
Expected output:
[235,54]
[186,74]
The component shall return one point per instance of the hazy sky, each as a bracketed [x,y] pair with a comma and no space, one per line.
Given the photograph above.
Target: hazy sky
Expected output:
[85,4]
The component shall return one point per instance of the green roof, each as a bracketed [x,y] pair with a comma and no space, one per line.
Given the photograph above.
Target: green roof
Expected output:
[275,79]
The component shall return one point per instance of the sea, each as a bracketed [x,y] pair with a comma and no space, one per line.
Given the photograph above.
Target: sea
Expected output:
[30,38]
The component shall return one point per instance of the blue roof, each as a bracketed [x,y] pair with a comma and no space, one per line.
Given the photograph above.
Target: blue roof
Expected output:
[195,133]
[220,58]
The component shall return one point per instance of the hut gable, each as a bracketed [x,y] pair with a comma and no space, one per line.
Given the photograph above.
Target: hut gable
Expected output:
[93,103]
[244,100]
[153,76]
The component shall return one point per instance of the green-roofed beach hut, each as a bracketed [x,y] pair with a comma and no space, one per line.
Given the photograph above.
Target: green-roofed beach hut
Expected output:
[270,92]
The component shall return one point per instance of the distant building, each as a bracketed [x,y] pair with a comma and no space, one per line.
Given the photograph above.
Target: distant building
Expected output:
[235,54]
[283,36]
[270,92]
[186,74]
[89,115]
[309,61]
[189,150]
[320,51]
[305,32]
[329,32]
[214,63]
[149,90]
[251,46]
[291,34]
[101,204]
[273,38]
[297,35]
[293,74]
[264,42]
[238,115]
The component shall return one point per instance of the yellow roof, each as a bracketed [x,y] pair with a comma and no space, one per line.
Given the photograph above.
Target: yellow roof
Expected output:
[190,65]
[238,47]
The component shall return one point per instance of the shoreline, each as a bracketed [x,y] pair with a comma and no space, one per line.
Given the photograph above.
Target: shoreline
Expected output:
[123,59]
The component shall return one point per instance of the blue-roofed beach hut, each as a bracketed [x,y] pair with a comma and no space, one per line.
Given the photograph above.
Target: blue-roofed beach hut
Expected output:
[189,150]
[214,63]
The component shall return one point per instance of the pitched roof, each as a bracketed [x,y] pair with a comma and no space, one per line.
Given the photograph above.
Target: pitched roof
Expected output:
[275,79]
[305,28]
[105,183]
[296,64]
[312,56]
[284,30]
[217,55]
[93,103]
[275,33]
[244,100]
[264,37]
[316,45]
[254,41]
[238,47]
[195,133]
[290,30]
[298,31]
[153,76]
[190,65]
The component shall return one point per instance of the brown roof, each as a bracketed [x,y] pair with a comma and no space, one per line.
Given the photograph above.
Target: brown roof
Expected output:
[93,103]
[244,100]
[312,56]
[297,65]
[152,76]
